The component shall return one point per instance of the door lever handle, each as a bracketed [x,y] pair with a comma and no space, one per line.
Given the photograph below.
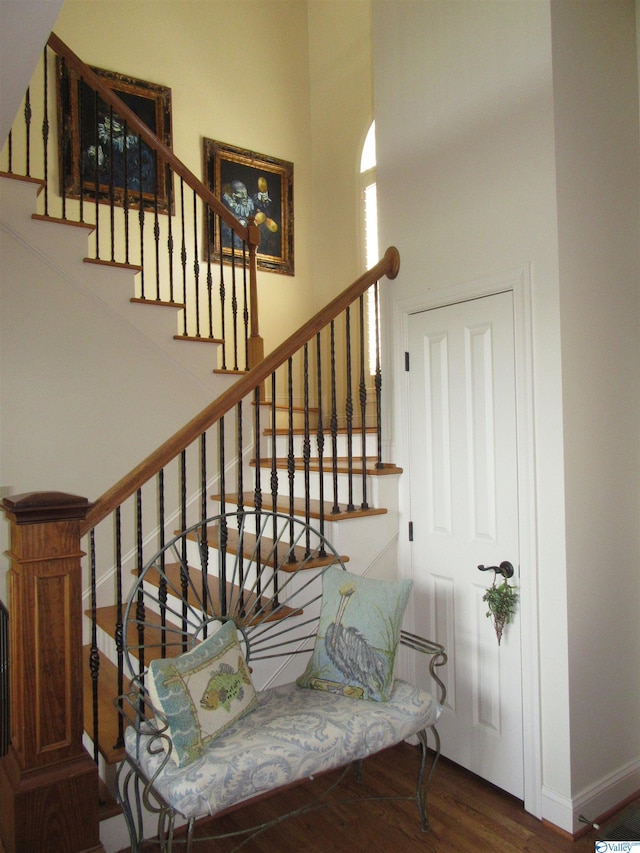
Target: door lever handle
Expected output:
[505,568]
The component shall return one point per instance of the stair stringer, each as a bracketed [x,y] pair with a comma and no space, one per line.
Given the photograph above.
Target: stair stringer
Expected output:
[65,245]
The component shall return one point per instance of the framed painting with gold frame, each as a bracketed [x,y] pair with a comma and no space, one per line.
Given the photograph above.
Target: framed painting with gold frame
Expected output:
[96,149]
[252,185]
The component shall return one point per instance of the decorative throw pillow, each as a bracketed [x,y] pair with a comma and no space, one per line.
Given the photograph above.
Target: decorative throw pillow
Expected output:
[202,692]
[359,630]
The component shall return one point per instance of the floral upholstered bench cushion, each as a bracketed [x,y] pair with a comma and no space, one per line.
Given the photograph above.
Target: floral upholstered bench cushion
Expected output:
[293,733]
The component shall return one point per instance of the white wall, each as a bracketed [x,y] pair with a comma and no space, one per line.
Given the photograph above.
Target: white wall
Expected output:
[24,28]
[597,154]
[469,130]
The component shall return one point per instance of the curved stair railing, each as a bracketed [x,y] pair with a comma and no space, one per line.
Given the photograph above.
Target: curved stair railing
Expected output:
[299,432]
[311,407]
[161,233]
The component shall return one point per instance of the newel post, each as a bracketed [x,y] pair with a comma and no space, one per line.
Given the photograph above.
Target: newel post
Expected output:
[255,342]
[48,782]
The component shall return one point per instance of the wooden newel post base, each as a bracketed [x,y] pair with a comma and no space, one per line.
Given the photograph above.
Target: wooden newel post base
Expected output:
[48,782]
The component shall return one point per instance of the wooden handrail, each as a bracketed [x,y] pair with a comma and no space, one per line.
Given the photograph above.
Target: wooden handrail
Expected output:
[388,266]
[250,234]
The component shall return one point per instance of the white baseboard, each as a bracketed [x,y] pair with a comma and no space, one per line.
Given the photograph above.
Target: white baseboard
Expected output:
[557,809]
[604,795]
[592,802]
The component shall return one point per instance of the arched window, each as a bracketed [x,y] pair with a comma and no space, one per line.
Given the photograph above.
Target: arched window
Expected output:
[369,227]
[368,195]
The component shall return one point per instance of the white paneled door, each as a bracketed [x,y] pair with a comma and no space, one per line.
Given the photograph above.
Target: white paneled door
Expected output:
[464,509]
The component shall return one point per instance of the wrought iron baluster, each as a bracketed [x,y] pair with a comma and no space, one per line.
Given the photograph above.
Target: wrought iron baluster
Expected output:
[140,607]
[184,572]
[66,151]
[274,449]
[204,540]
[334,420]
[378,380]
[320,438]
[210,219]
[126,201]
[241,605]
[183,258]
[27,125]
[156,225]
[223,292]
[234,303]
[245,310]
[291,462]
[196,263]
[223,540]
[274,489]
[45,133]
[96,173]
[363,405]
[349,410]
[112,189]
[94,656]
[170,237]
[239,468]
[306,445]
[240,484]
[119,637]
[162,586]
[222,536]
[141,217]
[257,488]
[64,137]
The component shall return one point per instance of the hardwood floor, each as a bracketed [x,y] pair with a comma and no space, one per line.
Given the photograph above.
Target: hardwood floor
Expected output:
[466,814]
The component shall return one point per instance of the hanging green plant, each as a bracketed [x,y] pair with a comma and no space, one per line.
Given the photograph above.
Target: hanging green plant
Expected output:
[501,601]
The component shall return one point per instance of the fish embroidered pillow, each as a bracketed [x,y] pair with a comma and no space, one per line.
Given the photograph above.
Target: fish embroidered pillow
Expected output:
[202,692]
[359,631]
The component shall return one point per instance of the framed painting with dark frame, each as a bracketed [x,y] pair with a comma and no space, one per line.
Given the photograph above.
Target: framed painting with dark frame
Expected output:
[97,148]
[251,184]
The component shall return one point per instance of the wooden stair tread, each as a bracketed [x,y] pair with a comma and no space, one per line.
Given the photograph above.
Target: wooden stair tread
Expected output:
[233,592]
[342,465]
[160,303]
[356,430]
[249,545]
[299,507]
[118,265]
[198,340]
[250,601]
[282,407]
[59,220]
[27,179]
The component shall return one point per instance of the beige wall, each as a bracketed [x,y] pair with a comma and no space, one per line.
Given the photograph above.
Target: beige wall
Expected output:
[493,155]
[287,63]
[302,92]
[238,73]
[341,113]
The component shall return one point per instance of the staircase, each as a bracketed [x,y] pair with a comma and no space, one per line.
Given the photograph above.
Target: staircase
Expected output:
[298,431]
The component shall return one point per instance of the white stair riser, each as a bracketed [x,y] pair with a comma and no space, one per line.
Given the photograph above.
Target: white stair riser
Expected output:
[282,445]
[377,486]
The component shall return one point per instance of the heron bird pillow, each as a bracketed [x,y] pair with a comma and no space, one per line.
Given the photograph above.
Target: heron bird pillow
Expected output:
[357,637]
